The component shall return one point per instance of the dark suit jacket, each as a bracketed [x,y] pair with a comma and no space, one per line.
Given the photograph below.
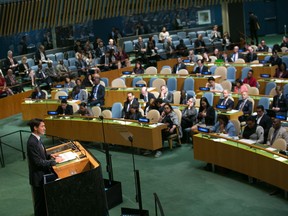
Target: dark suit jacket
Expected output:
[67,111]
[204,69]
[38,56]
[239,56]
[229,103]
[100,95]
[266,123]
[247,109]
[22,68]
[150,95]
[251,57]
[228,59]
[275,61]
[168,98]
[281,103]
[125,113]
[210,116]
[7,64]
[35,95]
[38,161]
[182,66]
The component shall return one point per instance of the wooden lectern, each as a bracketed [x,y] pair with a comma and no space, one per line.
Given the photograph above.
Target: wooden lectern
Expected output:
[79,188]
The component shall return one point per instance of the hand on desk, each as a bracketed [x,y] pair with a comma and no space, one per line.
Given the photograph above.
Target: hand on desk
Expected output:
[57,158]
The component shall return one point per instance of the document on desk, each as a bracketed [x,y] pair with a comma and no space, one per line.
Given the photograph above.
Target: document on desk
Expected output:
[122,122]
[219,140]
[280,159]
[67,156]
[271,149]
[247,141]
[232,111]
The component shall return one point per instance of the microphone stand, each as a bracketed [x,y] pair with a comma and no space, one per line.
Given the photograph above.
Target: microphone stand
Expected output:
[109,168]
[113,189]
[139,211]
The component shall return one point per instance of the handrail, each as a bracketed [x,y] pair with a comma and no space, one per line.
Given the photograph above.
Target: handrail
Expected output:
[158,204]
[2,160]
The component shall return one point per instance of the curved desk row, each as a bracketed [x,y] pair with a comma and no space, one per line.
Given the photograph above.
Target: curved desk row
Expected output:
[116,131]
[252,160]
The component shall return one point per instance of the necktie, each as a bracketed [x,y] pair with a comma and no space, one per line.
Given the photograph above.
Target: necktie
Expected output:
[224,101]
[274,136]
[41,145]
[96,91]
[242,105]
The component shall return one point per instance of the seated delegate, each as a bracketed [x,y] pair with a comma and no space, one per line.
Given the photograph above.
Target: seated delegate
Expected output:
[224,126]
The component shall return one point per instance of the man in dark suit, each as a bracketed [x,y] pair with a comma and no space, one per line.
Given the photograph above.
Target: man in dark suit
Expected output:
[226,58]
[254,27]
[280,104]
[140,48]
[38,93]
[145,95]
[199,45]
[40,163]
[97,93]
[165,95]
[10,62]
[40,55]
[131,101]
[263,120]
[245,106]
[226,100]
[236,55]
[65,108]
[180,65]
[200,67]
[251,55]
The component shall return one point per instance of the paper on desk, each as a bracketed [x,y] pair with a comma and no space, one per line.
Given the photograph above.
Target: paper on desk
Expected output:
[68,156]
[256,65]
[247,141]
[232,111]
[271,149]
[281,159]
[219,140]
[123,122]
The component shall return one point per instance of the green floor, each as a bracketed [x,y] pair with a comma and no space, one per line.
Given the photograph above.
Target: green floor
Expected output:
[181,183]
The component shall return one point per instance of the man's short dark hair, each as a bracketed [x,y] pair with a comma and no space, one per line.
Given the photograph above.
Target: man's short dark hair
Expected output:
[251,118]
[34,123]
[211,78]
[260,107]
[83,104]
[64,101]
[251,71]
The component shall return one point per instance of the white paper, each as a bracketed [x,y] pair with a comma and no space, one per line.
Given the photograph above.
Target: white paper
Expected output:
[68,156]
[247,141]
[281,159]
[271,149]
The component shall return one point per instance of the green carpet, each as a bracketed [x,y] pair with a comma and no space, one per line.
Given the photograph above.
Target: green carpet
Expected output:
[183,186]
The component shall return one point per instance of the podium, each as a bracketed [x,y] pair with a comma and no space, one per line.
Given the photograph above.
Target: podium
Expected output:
[79,188]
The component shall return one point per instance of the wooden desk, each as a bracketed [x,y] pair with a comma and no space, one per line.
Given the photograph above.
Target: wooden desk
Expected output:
[38,108]
[198,81]
[257,68]
[11,105]
[263,83]
[251,160]
[236,97]
[113,95]
[113,74]
[116,131]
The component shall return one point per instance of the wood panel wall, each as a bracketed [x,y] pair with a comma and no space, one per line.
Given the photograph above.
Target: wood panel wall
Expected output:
[24,16]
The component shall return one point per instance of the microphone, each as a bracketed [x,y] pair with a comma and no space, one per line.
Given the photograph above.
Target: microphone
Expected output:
[130,138]
[101,117]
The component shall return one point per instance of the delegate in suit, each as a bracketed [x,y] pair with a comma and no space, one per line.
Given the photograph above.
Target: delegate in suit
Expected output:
[39,163]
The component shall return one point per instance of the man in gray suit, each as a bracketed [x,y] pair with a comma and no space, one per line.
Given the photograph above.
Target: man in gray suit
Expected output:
[276,132]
